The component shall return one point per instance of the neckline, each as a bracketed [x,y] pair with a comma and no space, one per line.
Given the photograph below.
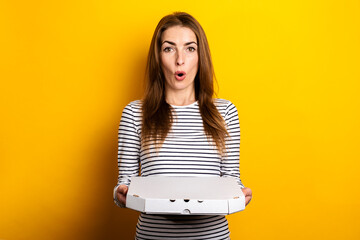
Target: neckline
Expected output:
[184,106]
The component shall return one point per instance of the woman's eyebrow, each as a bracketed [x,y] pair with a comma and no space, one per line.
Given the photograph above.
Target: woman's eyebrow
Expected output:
[172,43]
[188,43]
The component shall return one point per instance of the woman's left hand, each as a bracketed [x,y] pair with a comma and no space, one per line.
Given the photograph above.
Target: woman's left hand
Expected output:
[248,195]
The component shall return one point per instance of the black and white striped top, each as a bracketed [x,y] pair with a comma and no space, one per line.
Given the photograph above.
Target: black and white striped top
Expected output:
[186,151]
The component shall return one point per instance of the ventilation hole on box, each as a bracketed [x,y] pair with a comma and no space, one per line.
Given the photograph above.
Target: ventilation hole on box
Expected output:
[186,211]
[200,201]
[172,200]
[186,200]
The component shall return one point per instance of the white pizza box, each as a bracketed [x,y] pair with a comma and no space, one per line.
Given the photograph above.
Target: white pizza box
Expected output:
[185,195]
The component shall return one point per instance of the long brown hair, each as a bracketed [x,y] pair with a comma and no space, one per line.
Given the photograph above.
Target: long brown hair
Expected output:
[157,116]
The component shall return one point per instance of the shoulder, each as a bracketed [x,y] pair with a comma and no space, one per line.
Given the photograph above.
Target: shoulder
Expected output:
[132,111]
[226,108]
[131,114]
[134,106]
[223,104]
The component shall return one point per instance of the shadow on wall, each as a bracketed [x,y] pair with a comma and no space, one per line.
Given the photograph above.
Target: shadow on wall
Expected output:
[119,223]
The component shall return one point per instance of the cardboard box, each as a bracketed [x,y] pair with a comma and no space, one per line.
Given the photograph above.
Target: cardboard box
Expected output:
[185,195]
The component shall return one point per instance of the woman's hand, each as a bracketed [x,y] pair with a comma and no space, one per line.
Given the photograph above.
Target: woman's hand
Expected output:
[121,192]
[248,195]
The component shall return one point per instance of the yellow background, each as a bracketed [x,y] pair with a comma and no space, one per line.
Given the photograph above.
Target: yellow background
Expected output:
[69,67]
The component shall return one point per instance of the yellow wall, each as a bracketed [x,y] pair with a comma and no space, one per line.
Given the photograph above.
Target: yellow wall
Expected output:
[69,67]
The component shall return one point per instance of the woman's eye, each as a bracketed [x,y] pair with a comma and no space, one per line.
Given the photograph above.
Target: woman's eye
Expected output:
[192,49]
[167,49]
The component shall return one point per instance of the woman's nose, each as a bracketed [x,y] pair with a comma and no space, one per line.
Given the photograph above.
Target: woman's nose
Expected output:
[180,59]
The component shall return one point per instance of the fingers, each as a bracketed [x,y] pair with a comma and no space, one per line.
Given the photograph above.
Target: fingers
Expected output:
[121,193]
[247,200]
[247,191]
[248,195]
[123,189]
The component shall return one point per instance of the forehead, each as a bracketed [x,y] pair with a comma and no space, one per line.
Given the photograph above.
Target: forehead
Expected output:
[178,34]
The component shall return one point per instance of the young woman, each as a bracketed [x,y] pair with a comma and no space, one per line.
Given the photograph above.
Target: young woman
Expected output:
[179,129]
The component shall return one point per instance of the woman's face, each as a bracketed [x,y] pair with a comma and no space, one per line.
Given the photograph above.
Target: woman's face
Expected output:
[179,58]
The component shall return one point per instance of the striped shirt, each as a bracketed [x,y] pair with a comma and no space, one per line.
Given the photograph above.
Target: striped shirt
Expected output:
[186,151]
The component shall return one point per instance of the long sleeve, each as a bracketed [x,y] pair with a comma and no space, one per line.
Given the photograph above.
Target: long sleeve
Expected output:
[231,161]
[128,149]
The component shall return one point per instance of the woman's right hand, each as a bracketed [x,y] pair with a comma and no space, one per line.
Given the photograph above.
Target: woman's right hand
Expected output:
[121,194]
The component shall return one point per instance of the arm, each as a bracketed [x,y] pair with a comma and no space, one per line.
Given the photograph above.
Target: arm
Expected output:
[128,154]
[230,164]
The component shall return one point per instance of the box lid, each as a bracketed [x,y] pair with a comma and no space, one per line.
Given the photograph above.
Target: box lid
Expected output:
[185,195]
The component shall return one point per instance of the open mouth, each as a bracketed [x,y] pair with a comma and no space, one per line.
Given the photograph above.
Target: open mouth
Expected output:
[180,75]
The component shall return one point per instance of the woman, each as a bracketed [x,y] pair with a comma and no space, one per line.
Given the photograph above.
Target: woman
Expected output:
[179,129]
